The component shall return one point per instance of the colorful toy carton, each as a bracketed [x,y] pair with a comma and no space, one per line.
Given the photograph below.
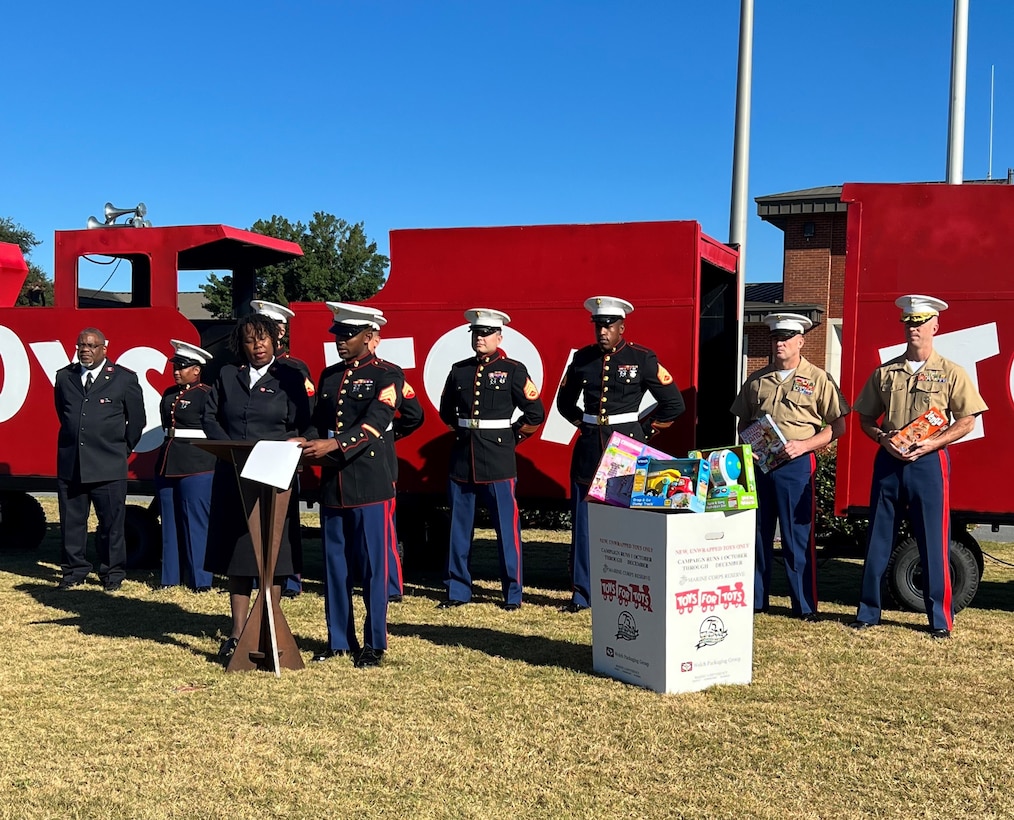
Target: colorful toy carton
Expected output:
[730,488]
[675,484]
[614,477]
[767,441]
[915,432]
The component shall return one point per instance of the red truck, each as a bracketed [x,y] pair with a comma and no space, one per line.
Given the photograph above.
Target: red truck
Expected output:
[944,240]
[949,241]
[682,282]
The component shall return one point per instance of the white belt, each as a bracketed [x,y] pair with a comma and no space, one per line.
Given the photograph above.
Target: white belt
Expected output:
[187,434]
[485,424]
[619,418]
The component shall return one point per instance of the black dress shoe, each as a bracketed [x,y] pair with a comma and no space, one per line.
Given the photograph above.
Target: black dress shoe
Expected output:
[940,634]
[859,626]
[228,647]
[290,593]
[511,607]
[327,654]
[70,583]
[112,586]
[369,658]
[573,607]
[449,604]
[809,617]
[394,599]
[203,589]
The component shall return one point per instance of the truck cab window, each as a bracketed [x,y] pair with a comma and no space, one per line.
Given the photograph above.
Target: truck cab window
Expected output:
[113,281]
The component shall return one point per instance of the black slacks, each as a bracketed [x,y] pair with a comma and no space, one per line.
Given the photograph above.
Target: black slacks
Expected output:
[110,500]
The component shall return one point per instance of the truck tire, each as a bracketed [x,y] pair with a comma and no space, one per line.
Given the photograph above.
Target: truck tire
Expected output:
[22,521]
[143,536]
[904,574]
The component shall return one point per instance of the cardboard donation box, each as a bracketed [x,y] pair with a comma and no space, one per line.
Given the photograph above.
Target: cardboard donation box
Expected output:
[672,597]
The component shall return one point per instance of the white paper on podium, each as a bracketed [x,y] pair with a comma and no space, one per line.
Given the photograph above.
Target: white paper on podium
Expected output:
[272,462]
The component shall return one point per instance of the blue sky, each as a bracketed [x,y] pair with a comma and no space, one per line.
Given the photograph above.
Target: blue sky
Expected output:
[435,114]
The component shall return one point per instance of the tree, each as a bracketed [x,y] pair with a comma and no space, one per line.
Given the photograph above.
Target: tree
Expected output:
[339,264]
[37,287]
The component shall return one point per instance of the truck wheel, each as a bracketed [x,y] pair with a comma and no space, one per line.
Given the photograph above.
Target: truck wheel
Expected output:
[144,541]
[22,521]
[904,575]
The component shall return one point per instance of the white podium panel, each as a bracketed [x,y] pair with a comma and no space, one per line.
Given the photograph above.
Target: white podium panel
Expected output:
[672,597]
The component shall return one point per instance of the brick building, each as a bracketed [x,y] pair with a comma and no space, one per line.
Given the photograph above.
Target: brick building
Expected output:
[813,274]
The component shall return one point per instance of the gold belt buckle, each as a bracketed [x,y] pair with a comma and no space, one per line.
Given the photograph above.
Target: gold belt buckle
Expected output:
[473,424]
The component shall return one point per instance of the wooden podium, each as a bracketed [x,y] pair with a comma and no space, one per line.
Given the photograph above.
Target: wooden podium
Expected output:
[267,642]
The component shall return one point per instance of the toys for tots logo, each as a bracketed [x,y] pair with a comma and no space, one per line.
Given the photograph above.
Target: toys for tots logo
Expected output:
[636,595]
[725,596]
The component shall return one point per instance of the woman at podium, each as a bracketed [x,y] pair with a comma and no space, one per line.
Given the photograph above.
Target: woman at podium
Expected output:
[258,400]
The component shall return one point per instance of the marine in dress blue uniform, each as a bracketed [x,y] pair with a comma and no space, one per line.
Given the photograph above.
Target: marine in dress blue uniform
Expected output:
[260,400]
[914,481]
[101,412]
[356,399]
[808,408]
[293,584]
[612,376]
[408,418]
[478,401]
[183,473]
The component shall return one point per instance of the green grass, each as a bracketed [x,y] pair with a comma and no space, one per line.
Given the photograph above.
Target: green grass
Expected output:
[113,706]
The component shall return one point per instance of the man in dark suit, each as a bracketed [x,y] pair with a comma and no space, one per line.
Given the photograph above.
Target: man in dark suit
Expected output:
[101,413]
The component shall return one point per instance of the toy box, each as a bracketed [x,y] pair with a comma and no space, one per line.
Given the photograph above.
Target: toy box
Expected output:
[614,477]
[915,432]
[726,490]
[675,483]
[767,442]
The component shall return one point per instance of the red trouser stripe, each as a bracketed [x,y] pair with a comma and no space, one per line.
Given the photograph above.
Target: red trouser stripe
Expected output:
[517,529]
[813,529]
[945,529]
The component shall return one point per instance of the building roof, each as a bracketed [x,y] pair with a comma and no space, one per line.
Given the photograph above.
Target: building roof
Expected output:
[763,298]
[776,207]
[827,199]
[189,304]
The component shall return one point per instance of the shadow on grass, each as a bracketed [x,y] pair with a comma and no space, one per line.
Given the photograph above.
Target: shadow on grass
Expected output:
[532,649]
[95,612]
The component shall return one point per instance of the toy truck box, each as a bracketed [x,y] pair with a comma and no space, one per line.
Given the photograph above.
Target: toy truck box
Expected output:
[730,489]
[679,484]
